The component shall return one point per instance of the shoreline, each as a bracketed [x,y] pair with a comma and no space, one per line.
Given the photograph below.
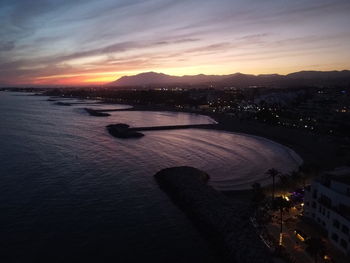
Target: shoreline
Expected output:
[318,152]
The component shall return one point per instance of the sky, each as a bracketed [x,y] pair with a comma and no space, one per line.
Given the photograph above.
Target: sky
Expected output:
[93,42]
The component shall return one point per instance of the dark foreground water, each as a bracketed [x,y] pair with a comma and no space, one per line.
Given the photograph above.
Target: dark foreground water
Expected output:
[69,192]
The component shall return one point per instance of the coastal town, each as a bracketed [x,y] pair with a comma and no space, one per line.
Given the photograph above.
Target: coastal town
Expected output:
[169,131]
[300,217]
[297,219]
[300,117]
[319,110]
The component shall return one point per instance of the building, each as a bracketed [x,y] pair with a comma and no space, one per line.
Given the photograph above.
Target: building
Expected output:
[327,202]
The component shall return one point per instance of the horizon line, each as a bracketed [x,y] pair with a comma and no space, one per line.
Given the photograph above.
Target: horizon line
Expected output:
[84,84]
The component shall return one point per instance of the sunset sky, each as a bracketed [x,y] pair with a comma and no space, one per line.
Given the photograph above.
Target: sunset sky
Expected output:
[82,42]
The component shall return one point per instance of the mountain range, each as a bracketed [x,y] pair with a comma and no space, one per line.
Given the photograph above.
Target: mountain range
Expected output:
[323,78]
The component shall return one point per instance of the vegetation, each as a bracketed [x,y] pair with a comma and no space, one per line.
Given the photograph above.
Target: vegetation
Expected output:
[282,205]
[273,173]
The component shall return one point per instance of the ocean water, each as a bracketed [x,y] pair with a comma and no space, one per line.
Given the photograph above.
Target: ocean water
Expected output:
[69,192]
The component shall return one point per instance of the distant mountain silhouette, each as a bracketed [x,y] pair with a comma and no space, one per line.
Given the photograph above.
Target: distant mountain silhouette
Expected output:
[153,78]
[238,79]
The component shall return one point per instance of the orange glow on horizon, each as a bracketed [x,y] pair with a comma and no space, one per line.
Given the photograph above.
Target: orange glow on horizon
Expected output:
[95,79]
[100,80]
[219,38]
[105,77]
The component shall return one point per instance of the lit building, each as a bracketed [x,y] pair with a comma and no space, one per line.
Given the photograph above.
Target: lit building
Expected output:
[327,202]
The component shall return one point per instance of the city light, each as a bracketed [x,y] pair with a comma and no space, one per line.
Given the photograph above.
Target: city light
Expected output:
[281,239]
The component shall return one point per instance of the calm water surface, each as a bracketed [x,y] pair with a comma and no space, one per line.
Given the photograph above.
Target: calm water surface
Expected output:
[69,191]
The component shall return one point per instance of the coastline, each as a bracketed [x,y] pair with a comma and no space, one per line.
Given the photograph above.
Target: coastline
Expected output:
[318,152]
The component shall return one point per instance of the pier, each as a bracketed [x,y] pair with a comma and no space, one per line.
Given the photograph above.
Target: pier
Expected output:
[175,127]
[104,113]
[97,113]
[224,222]
[124,131]
[109,110]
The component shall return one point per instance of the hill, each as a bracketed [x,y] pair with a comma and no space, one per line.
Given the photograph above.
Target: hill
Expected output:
[238,79]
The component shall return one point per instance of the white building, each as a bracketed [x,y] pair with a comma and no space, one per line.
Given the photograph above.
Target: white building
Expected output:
[327,202]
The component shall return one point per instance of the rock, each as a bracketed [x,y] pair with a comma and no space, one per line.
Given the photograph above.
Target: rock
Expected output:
[96,113]
[60,103]
[121,130]
[225,222]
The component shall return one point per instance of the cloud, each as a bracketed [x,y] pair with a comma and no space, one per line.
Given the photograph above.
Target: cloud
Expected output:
[46,38]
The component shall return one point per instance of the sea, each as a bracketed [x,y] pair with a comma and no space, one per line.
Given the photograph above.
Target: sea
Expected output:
[70,192]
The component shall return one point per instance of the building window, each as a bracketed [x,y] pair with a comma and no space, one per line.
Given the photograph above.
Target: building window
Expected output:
[343,243]
[335,237]
[307,203]
[314,204]
[336,223]
[345,229]
[325,200]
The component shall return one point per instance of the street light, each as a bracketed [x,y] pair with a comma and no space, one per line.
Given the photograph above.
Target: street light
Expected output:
[281,239]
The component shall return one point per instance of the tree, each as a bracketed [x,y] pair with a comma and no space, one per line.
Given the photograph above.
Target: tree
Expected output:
[285,181]
[273,173]
[282,205]
[316,247]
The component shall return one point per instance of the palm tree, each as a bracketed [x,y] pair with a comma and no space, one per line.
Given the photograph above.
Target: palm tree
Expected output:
[283,205]
[316,247]
[273,173]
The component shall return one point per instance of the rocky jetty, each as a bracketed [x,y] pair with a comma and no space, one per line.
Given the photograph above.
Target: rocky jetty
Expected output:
[60,103]
[176,127]
[123,131]
[225,222]
[97,113]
